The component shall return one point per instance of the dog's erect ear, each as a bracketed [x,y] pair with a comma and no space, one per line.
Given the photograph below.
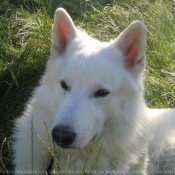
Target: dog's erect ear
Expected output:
[132,43]
[64,31]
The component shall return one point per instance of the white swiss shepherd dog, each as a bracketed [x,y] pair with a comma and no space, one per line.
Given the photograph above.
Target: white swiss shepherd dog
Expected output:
[91,100]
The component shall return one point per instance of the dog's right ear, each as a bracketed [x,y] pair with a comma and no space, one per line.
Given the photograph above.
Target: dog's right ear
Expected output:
[132,43]
[63,32]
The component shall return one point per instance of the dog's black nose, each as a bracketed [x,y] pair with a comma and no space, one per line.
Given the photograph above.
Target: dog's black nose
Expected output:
[63,135]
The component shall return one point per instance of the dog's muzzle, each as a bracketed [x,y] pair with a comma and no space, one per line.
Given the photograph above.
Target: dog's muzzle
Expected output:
[63,135]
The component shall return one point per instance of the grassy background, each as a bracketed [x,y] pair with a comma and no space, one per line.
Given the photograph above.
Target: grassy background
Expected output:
[25,38]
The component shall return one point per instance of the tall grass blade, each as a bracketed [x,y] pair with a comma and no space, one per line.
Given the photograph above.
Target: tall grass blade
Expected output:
[32,143]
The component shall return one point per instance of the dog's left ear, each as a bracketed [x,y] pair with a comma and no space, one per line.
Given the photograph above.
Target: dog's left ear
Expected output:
[63,32]
[132,43]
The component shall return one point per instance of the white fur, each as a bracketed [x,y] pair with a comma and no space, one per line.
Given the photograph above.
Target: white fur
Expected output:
[137,139]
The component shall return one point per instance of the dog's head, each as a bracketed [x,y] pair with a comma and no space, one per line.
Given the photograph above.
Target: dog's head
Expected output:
[96,81]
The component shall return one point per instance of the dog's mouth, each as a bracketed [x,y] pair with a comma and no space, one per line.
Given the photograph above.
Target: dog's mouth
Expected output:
[95,136]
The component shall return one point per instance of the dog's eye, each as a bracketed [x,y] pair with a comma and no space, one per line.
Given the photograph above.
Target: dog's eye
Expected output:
[64,85]
[101,93]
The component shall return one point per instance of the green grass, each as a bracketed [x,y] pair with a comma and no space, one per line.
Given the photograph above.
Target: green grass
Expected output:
[25,37]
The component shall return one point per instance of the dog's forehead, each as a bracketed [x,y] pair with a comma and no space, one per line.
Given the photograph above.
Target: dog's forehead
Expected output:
[91,65]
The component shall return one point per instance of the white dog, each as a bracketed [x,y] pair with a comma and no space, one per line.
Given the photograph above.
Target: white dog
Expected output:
[91,105]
